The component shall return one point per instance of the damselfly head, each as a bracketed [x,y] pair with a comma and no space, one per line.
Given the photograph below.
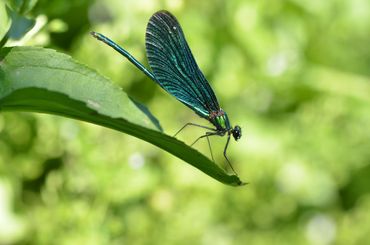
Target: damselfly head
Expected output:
[237,132]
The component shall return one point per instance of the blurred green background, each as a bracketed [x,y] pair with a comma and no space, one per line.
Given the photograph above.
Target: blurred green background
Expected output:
[295,75]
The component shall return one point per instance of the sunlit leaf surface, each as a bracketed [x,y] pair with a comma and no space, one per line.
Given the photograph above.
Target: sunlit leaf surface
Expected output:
[42,80]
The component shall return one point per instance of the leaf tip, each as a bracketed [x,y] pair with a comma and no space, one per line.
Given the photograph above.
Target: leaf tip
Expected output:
[236,181]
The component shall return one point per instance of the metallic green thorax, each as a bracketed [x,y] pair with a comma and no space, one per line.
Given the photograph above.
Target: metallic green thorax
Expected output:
[220,120]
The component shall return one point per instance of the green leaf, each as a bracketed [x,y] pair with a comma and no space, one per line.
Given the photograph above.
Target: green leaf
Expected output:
[4,20]
[21,6]
[43,80]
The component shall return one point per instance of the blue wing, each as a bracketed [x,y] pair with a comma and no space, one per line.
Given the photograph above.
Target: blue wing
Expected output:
[174,66]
